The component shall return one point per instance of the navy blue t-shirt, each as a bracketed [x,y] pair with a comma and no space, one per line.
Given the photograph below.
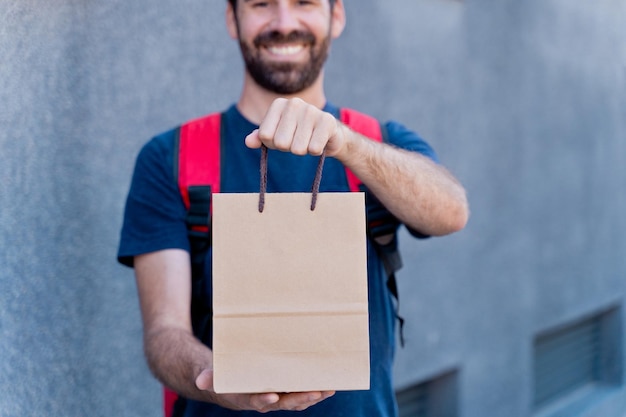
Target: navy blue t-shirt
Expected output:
[154,219]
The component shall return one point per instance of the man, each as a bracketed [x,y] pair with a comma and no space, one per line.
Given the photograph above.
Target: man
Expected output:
[284,44]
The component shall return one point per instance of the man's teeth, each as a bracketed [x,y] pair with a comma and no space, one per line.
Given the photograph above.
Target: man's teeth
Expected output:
[285,50]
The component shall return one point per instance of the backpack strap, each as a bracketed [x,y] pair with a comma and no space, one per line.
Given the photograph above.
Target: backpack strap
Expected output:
[197,167]
[382,225]
[197,172]
[366,126]
[198,160]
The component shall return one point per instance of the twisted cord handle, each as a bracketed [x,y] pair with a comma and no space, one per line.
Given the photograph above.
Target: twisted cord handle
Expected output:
[314,189]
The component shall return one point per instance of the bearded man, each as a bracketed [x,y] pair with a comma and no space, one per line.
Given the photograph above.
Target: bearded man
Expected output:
[282,106]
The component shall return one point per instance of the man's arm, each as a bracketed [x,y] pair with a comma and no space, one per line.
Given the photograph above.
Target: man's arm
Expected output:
[174,355]
[420,193]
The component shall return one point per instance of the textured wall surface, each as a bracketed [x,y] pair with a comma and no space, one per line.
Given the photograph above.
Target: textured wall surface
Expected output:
[525,101]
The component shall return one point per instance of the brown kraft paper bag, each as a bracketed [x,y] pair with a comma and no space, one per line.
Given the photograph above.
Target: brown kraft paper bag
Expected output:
[290,309]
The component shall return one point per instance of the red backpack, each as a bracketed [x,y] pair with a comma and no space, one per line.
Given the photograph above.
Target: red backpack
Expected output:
[197,168]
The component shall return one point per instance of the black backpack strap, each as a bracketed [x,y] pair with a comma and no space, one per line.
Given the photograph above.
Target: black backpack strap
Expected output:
[199,234]
[382,226]
[198,223]
[197,164]
[382,231]
[179,407]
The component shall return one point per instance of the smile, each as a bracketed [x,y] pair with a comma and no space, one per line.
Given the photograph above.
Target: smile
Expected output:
[285,50]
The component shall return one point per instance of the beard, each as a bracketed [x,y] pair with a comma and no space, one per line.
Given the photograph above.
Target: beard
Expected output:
[285,77]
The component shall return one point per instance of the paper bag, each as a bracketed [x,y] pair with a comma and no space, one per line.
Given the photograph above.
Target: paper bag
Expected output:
[290,308]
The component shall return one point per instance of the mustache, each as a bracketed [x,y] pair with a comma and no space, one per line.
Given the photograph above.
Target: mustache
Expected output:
[277,38]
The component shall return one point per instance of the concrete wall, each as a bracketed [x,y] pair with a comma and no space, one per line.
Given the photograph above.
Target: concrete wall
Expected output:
[525,102]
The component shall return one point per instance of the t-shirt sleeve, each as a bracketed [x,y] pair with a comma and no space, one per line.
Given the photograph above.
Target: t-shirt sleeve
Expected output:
[400,136]
[154,216]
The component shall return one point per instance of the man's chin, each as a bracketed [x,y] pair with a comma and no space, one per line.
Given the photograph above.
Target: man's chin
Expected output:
[286,90]
[284,83]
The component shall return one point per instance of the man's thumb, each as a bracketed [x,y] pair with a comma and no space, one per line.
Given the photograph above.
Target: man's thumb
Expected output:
[253,141]
[204,381]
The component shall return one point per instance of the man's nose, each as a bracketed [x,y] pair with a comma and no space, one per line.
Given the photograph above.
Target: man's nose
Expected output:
[285,19]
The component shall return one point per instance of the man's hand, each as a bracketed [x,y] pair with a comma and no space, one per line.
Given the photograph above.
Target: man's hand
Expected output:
[292,125]
[420,193]
[263,403]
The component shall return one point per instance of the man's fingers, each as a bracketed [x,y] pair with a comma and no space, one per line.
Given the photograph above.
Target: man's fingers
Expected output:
[297,127]
[300,400]
[283,136]
[317,144]
[331,137]
[264,402]
[327,394]
[274,116]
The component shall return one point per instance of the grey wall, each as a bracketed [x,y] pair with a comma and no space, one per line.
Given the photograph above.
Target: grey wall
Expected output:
[525,102]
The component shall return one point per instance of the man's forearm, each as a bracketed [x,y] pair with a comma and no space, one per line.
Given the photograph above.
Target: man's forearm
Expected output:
[420,193]
[176,358]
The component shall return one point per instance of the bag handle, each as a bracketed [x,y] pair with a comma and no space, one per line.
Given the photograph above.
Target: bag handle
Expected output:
[314,189]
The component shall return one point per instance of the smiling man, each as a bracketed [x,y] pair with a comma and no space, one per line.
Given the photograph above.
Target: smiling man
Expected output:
[285,63]
[282,106]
